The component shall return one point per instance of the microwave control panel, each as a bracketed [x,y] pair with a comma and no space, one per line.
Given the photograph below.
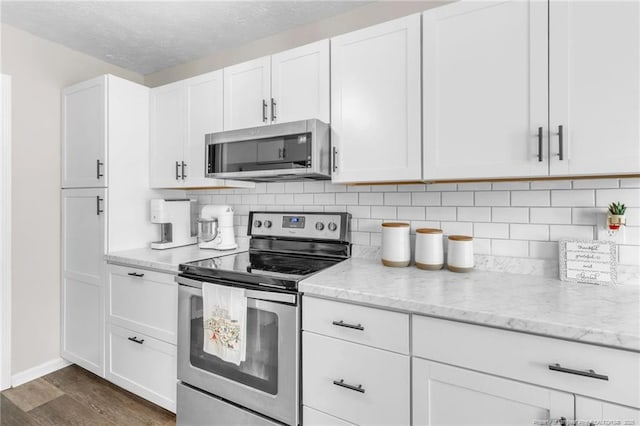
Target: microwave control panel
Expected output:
[326,226]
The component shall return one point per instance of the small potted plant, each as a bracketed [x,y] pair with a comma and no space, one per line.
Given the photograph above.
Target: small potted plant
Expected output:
[616,217]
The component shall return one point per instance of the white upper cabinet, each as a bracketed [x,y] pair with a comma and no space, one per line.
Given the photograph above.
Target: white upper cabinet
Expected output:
[375,103]
[84,136]
[168,128]
[485,90]
[300,83]
[595,87]
[247,94]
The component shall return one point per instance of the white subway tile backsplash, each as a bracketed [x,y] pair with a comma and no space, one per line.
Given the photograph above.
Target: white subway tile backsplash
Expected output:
[595,183]
[506,218]
[474,214]
[347,198]
[572,232]
[628,196]
[512,248]
[529,232]
[425,198]
[530,198]
[510,214]
[371,198]
[555,215]
[492,198]
[573,198]
[411,213]
[491,230]
[397,199]
[457,198]
[441,213]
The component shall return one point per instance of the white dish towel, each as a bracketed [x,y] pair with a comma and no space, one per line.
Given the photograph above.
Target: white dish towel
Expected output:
[224,318]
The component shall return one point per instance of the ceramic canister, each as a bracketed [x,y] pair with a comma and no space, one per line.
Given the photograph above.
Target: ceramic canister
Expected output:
[460,253]
[429,249]
[396,249]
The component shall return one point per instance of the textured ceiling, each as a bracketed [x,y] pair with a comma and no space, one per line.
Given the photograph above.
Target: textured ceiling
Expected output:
[147,36]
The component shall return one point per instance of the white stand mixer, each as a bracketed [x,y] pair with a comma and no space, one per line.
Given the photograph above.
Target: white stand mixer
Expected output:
[220,237]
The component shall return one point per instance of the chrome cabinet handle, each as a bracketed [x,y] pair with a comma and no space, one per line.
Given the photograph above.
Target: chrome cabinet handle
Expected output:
[177,172]
[540,144]
[342,384]
[347,325]
[273,110]
[135,274]
[98,209]
[588,373]
[184,166]
[335,154]
[98,164]
[561,142]
[264,111]
[136,340]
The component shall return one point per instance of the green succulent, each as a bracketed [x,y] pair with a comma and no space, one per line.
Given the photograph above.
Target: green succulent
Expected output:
[617,209]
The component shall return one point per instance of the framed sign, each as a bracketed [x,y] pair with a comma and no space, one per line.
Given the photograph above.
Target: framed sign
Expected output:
[592,262]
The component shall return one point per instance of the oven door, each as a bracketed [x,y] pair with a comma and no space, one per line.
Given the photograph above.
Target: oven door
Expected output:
[267,382]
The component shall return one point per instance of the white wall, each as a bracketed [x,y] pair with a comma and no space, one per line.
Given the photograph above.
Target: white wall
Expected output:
[517,219]
[40,69]
[364,16]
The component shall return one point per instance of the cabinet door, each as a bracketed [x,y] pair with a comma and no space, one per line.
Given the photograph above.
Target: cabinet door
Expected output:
[446,395]
[375,103]
[84,135]
[204,115]
[595,87]
[83,249]
[300,83]
[247,93]
[593,412]
[168,134]
[485,90]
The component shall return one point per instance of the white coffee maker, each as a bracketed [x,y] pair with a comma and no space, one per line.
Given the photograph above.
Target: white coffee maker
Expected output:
[215,228]
[177,222]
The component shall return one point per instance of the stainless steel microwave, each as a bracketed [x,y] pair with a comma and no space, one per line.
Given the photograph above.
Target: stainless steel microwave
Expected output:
[299,150]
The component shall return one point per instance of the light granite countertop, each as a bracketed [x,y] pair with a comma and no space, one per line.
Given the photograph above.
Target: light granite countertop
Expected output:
[603,315]
[166,260]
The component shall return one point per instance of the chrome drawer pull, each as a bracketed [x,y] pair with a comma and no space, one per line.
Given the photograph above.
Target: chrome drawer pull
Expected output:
[588,373]
[344,324]
[135,274]
[342,384]
[135,340]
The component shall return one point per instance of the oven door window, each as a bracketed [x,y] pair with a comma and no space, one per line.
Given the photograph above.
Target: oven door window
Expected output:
[260,370]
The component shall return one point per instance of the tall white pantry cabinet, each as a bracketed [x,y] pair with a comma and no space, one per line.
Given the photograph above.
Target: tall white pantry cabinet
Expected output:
[105,188]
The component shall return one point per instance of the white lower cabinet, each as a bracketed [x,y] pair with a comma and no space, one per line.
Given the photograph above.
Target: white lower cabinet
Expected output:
[313,417]
[446,395]
[593,412]
[142,309]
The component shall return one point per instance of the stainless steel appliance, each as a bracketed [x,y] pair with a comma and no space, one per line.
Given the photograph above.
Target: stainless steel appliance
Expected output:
[215,228]
[296,150]
[177,219]
[265,389]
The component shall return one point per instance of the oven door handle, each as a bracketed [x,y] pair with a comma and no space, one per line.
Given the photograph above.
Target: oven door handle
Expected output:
[269,296]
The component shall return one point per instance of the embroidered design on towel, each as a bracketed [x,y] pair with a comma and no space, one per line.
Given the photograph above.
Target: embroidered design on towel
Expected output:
[223,330]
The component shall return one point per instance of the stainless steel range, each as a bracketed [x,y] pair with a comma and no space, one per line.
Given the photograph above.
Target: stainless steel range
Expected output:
[265,388]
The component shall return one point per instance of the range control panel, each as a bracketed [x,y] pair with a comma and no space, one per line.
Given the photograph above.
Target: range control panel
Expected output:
[307,225]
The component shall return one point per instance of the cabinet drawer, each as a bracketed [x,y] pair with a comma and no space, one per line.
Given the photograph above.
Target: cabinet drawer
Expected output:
[311,417]
[382,399]
[370,326]
[144,301]
[147,369]
[527,357]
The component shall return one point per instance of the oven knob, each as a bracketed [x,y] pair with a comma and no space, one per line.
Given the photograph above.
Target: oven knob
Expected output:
[257,224]
[332,226]
[319,226]
[267,224]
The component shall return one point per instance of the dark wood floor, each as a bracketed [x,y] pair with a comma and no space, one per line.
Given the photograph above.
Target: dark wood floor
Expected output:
[73,396]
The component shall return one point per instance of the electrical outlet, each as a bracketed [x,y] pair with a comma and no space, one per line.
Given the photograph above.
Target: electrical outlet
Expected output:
[606,234]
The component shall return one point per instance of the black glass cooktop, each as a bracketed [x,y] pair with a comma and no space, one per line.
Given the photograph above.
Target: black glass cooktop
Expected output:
[257,267]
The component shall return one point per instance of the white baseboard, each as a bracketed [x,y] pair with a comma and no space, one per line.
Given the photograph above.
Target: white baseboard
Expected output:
[38,371]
